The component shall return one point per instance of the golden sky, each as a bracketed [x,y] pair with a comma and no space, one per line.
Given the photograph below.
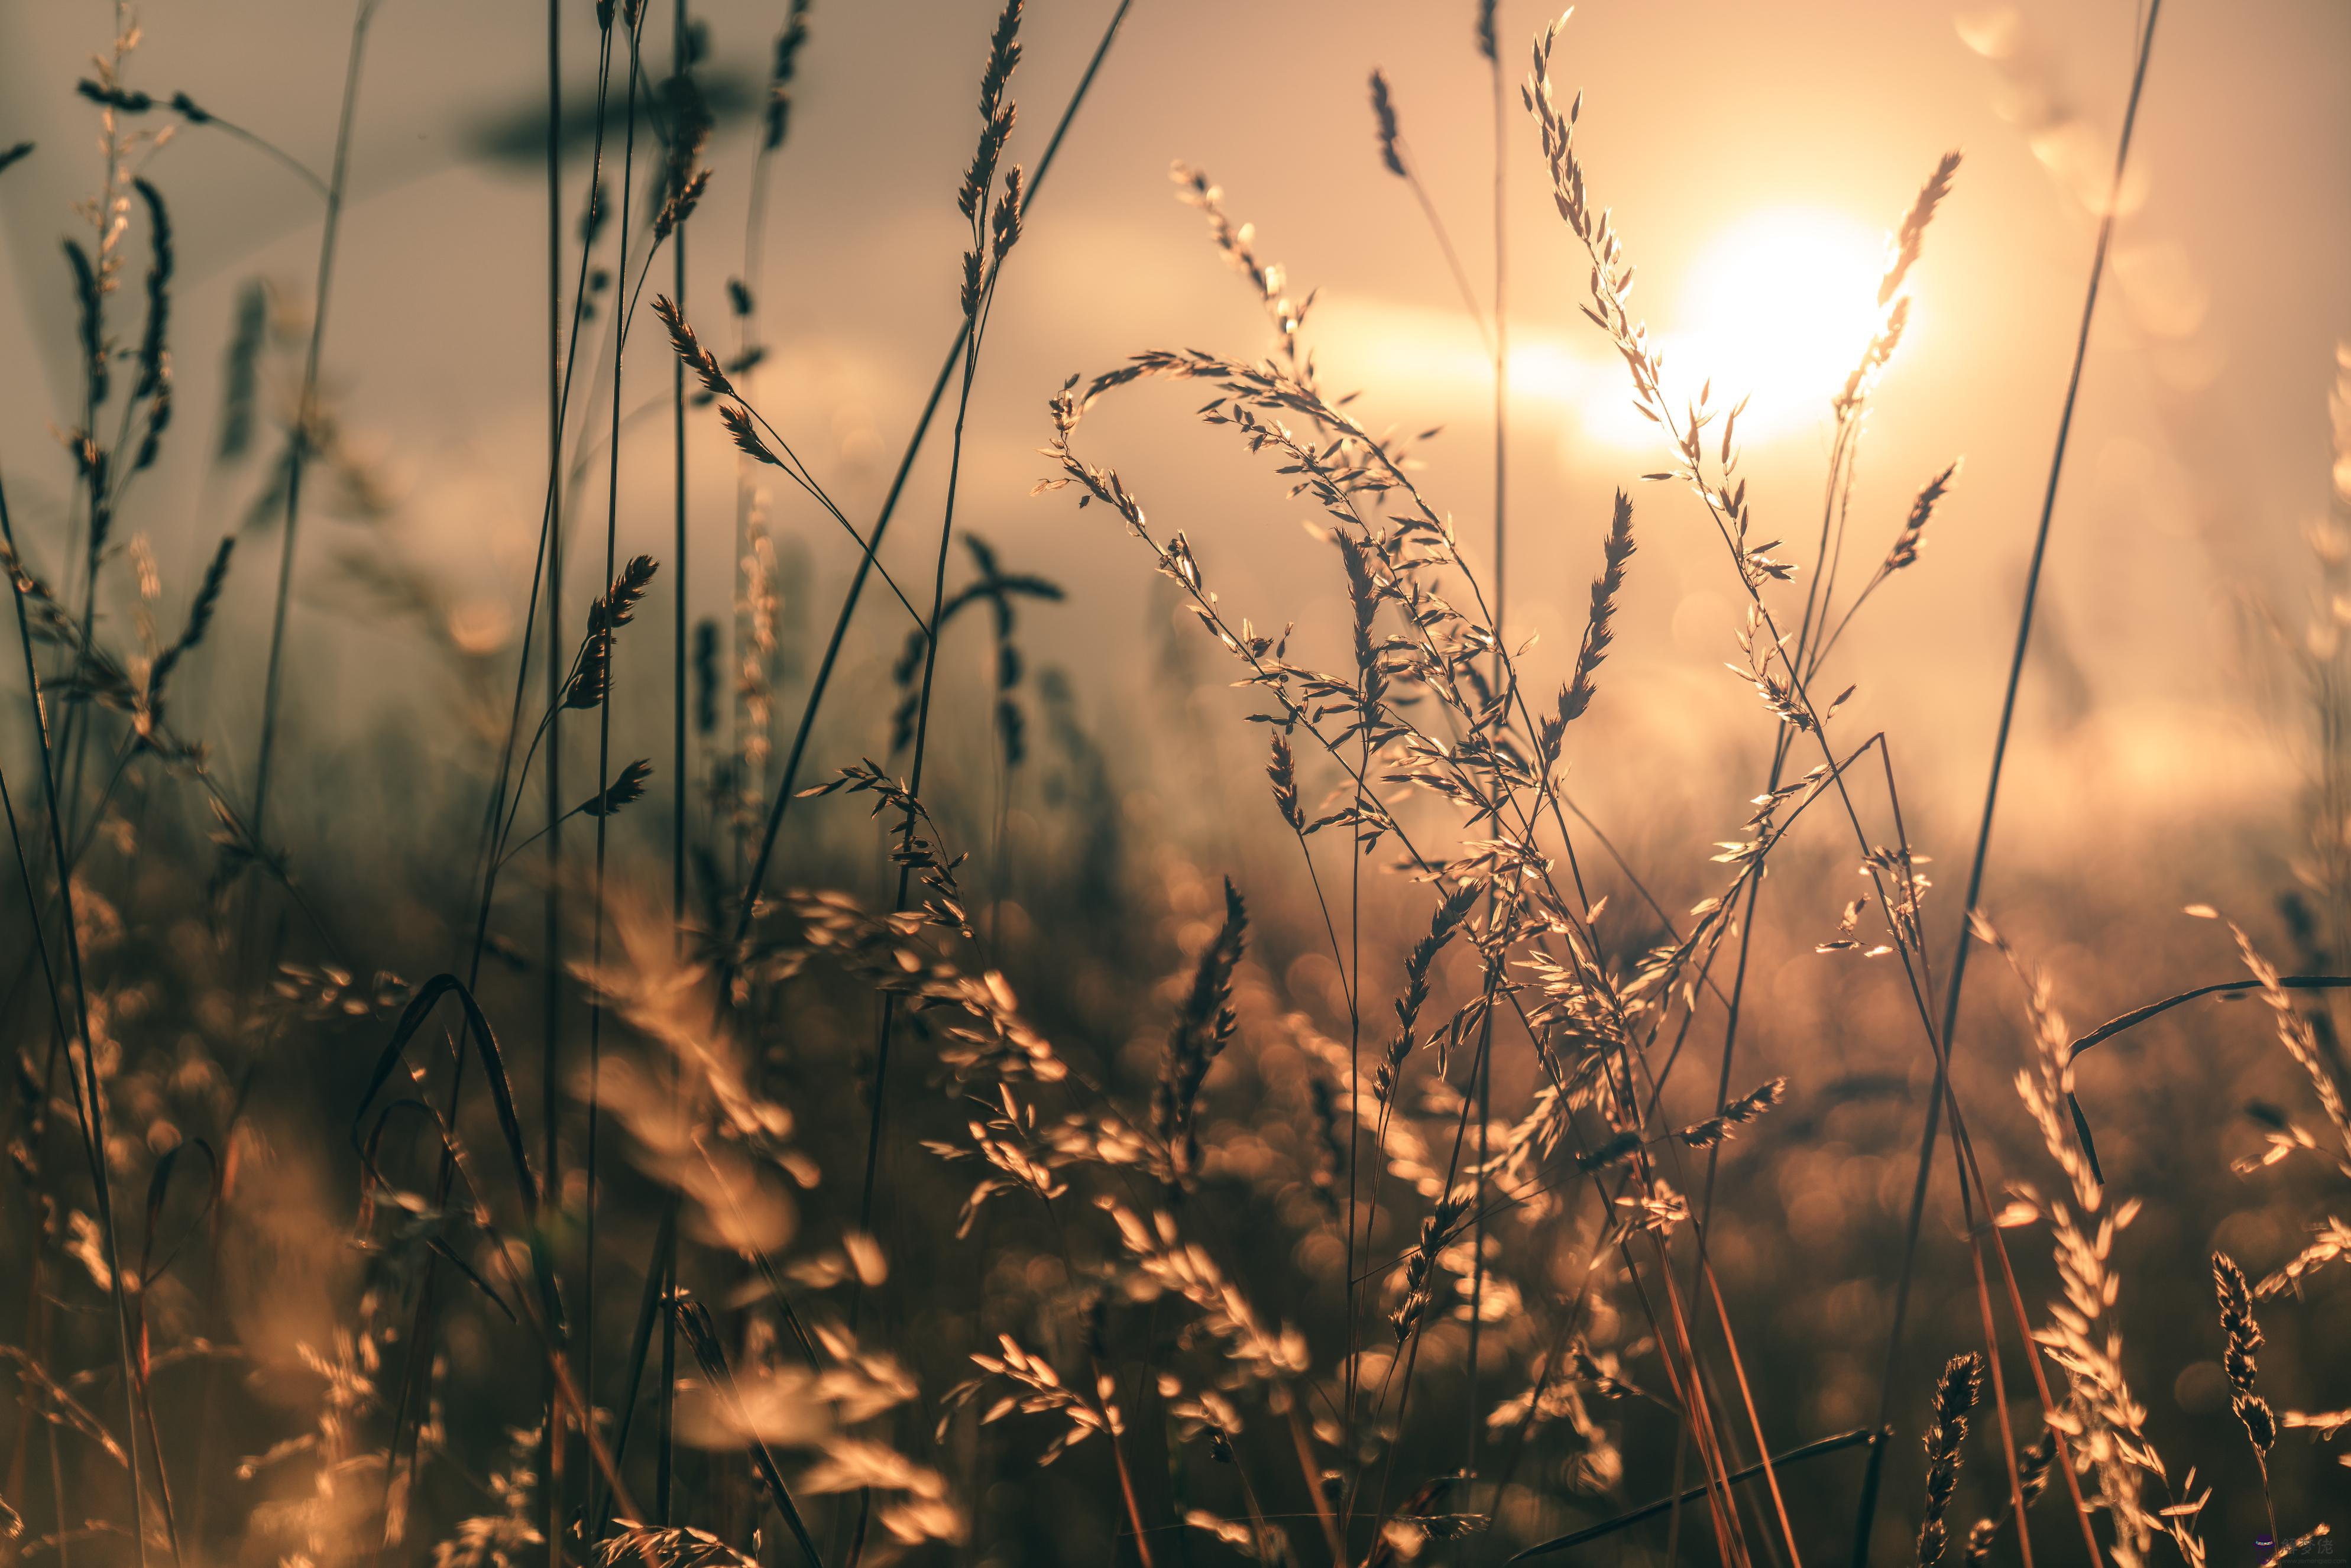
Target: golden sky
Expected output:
[1755,156]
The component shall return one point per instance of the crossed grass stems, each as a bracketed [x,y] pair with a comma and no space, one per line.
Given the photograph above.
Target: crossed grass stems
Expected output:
[1354,466]
[1363,466]
[994,231]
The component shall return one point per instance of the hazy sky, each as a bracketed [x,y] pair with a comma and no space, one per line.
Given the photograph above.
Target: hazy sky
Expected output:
[1755,157]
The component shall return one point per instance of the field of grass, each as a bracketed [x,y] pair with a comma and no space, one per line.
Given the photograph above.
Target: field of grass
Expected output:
[845,1070]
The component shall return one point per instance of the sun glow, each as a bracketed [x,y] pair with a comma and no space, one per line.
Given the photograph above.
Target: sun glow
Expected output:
[1778,308]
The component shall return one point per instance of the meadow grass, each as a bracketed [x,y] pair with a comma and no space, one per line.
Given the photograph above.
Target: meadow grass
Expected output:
[1072,1198]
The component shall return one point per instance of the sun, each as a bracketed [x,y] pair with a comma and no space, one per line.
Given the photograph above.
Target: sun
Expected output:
[1778,309]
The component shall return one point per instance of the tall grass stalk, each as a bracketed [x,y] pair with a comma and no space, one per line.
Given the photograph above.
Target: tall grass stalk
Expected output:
[1849,409]
[995,224]
[822,681]
[1866,1511]
[680,64]
[633,13]
[551,553]
[306,416]
[81,1068]
[1499,99]
[680,775]
[1786,693]
[410,1412]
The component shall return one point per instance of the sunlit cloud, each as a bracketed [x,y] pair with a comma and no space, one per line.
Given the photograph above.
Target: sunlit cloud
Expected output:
[1434,359]
[1593,391]
[1776,309]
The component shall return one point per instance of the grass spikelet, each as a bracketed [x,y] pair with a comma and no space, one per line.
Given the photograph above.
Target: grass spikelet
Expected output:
[698,359]
[1383,113]
[2033,1473]
[207,601]
[108,95]
[968,293]
[154,368]
[679,204]
[1599,621]
[688,127]
[2244,1337]
[738,425]
[1893,302]
[1909,238]
[1742,1112]
[1423,1278]
[1204,1027]
[627,787]
[2294,1032]
[592,676]
[1282,769]
[2331,1244]
[199,620]
[996,112]
[1362,597]
[90,322]
[2033,1466]
[1447,920]
[1956,1392]
[1330,1145]
[2102,1416]
[591,680]
[781,75]
[241,378]
[1766,669]
[1236,244]
[1166,1262]
[918,848]
[705,677]
[1004,219]
[1904,552]
[2302,1546]
[618,603]
[666,1546]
